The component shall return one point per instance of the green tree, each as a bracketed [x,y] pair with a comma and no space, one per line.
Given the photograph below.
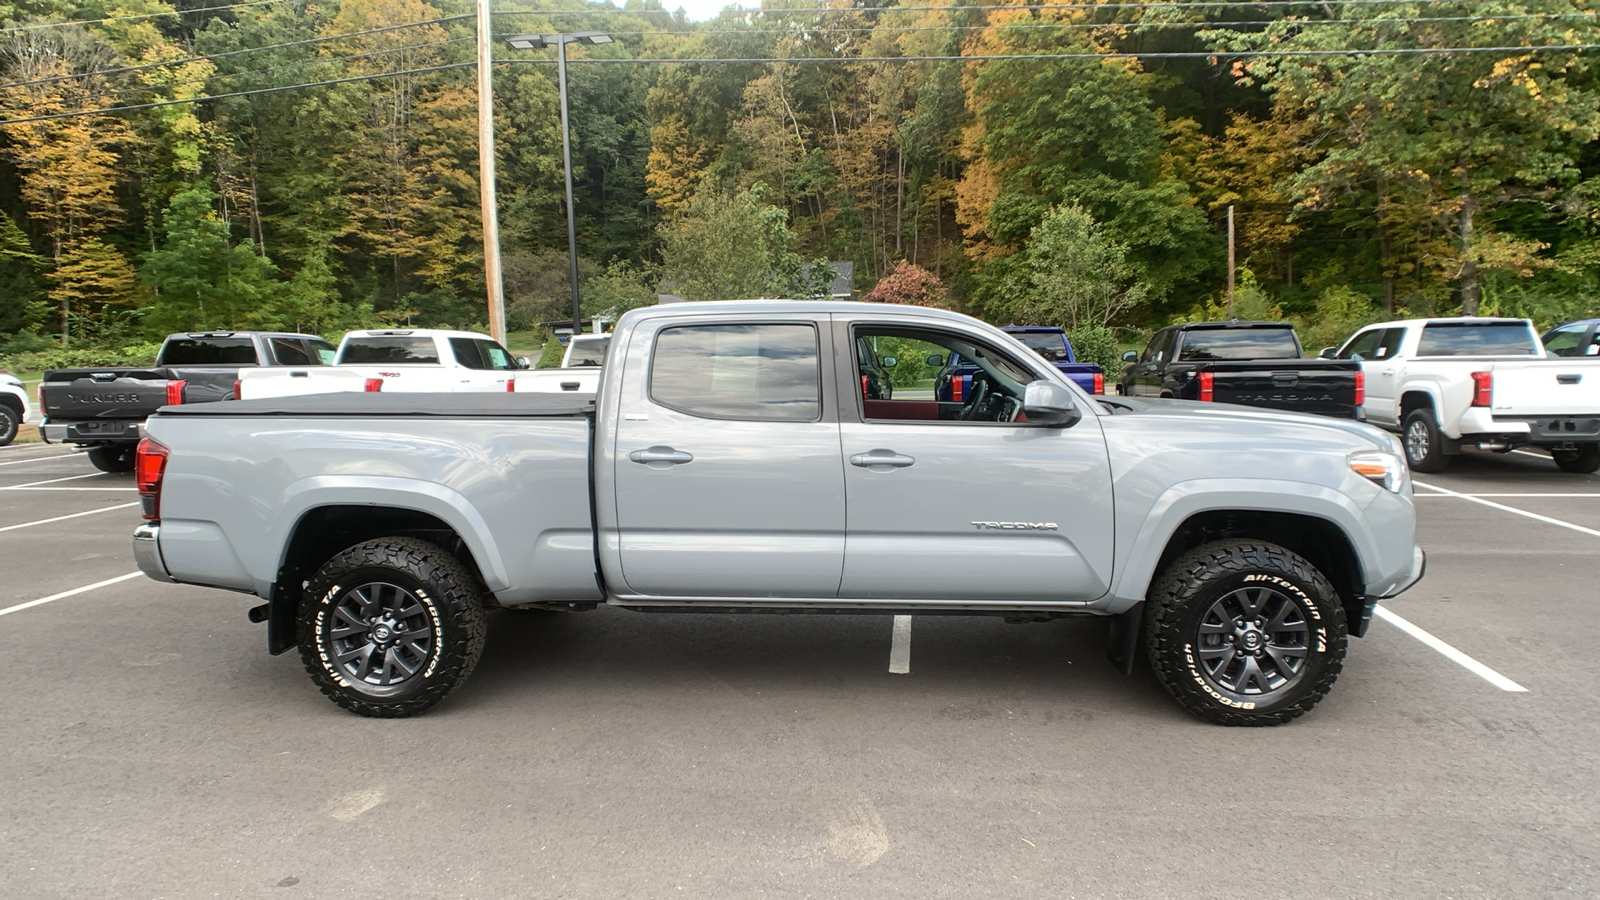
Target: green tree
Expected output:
[200,277]
[730,247]
[1078,276]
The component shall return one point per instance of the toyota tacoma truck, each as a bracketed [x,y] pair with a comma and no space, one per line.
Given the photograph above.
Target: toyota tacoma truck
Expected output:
[1248,363]
[730,463]
[416,360]
[103,410]
[1445,384]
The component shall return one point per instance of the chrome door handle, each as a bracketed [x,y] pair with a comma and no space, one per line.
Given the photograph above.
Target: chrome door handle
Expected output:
[660,457]
[881,460]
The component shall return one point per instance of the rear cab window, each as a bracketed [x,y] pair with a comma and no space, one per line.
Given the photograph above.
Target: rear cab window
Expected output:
[1239,343]
[750,372]
[1478,339]
[1051,345]
[208,351]
[390,349]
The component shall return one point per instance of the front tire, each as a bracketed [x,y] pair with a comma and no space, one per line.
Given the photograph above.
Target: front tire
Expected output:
[1245,633]
[9,423]
[1582,461]
[116,458]
[1424,448]
[389,627]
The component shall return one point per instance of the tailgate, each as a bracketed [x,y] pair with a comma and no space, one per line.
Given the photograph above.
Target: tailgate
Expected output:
[1323,387]
[1546,387]
[73,394]
[260,384]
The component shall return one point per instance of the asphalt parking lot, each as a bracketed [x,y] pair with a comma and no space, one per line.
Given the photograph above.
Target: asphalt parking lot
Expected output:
[152,748]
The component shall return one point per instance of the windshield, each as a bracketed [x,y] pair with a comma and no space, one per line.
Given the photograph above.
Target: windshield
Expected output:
[1477,339]
[230,351]
[1048,344]
[389,349]
[1239,343]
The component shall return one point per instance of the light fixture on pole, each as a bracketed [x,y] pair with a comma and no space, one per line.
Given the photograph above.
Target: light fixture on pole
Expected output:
[560,42]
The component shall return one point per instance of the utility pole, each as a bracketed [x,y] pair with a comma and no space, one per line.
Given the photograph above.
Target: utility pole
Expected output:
[1230,260]
[486,179]
[566,159]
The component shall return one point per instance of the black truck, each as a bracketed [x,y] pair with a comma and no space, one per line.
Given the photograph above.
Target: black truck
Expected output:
[104,409]
[1247,363]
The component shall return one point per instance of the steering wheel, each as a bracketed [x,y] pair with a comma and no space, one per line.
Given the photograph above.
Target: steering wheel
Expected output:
[980,388]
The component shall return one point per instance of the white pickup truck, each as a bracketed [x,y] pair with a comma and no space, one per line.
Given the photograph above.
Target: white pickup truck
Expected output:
[416,361]
[1445,384]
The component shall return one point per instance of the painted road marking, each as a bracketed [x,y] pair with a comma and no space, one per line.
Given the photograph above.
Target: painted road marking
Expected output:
[51,481]
[65,594]
[1533,454]
[126,490]
[1451,653]
[1511,509]
[34,459]
[69,516]
[900,646]
[1511,495]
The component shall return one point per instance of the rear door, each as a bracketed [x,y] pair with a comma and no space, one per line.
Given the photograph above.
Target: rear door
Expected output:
[961,502]
[727,475]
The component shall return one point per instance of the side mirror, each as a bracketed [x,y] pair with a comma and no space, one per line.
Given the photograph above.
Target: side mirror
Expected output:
[523,362]
[888,362]
[1329,353]
[1049,404]
[935,359]
[1130,356]
[1592,350]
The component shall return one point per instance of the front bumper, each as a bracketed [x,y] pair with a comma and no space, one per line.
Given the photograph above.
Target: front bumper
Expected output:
[147,552]
[1419,566]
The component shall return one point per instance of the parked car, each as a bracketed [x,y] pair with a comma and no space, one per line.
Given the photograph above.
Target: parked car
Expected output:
[1051,343]
[13,407]
[103,409]
[731,464]
[1580,338]
[416,360]
[1445,384]
[1248,363]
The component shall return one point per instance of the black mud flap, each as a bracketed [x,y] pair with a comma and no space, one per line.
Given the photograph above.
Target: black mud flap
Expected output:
[280,620]
[1124,644]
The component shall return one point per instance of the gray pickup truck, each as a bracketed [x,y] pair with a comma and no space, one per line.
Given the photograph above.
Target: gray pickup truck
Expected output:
[731,462]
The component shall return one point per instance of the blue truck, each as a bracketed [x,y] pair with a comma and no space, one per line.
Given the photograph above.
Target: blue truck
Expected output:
[954,382]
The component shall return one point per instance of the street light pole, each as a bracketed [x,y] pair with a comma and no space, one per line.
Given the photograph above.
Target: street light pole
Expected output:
[489,211]
[560,42]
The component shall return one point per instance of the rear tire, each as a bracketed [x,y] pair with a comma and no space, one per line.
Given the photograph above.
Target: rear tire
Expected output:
[1245,633]
[389,627]
[1582,461]
[9,423]
[116,458]
[1424,448]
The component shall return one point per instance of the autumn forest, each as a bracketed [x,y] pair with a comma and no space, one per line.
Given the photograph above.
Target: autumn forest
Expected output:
[189,164]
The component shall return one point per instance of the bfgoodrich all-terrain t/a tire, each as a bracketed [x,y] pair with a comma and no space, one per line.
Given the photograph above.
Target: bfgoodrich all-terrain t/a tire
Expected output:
[1245,633]
[387,628]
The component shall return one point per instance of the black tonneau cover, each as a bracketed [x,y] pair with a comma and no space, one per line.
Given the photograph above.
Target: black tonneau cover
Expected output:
[351,404]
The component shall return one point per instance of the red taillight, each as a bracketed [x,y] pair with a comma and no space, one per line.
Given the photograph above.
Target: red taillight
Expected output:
[1099,382]
[149,464]
[511,385]
[238,388]
[957,382]
[1207,381]
[1361,387]
[864,394]
[175,392]
[374,385]
[1482,388]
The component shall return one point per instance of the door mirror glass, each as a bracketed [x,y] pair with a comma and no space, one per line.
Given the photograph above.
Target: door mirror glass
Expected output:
[888,362]
[1130,356]
[1329,353]
[935,359]
[1050,404]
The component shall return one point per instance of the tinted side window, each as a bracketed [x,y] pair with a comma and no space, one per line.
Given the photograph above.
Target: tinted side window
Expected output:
[1363,345]
[765,372]
[467,353]
[1564,341]
[496,356]
[1475,339]
[325,351]
[208,352]
[290,352]
[389,349]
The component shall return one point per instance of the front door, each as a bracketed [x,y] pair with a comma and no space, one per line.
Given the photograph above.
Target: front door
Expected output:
[727,472]
[964,501]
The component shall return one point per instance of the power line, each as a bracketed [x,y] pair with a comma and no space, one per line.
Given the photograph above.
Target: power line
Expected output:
[228,53]
[1185,4]
[251,93]
[18,29]
[1198,54]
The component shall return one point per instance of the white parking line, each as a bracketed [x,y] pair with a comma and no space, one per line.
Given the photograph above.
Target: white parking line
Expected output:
[65,594]
[1533,454]
[1511,509]
[1451,653]
[1511,495]
[900,646]
[34,459]
[68,516]
[124,490]
[30,484]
